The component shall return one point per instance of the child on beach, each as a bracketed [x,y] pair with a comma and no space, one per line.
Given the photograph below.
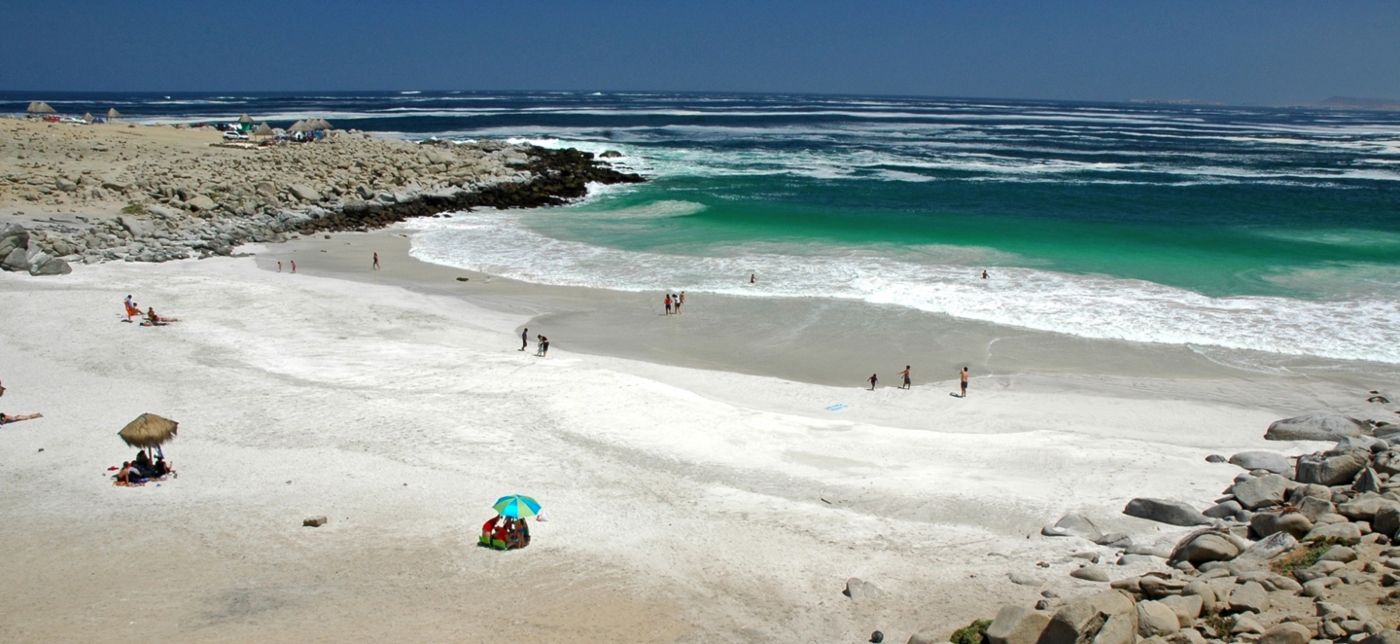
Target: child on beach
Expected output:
[132,309]
[905,373]
[873,379]
[668,304]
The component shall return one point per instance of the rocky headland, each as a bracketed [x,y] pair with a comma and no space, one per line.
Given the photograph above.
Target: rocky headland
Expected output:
[93,193]
[1299,549]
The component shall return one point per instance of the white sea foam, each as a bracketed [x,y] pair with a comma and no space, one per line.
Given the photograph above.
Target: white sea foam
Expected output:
[933,280]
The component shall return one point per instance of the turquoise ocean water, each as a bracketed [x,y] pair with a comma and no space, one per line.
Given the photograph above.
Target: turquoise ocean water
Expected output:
[1272,230]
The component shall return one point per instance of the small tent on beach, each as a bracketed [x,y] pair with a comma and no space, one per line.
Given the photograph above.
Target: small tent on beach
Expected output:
[40,107]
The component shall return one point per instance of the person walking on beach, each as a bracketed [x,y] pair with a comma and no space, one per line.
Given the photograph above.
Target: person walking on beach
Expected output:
[873,379]
[905,374]
[294,266]
[524,339]
[680,299]
[963,382]
[279,266]
[539,345]
[668,304]
[376,261]
[544,351]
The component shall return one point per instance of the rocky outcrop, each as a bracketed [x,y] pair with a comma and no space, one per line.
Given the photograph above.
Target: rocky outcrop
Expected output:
[1315,427]
[212,204]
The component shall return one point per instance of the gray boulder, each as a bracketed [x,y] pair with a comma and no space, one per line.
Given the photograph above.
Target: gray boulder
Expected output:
[1367,481]
[1205,546]
[1250,597]
[1313,507]
[1072,525]
[1165,511]
[1223,510]
[1314,427]
[1090,573]
[49,266]
[1017,625]
[1286,633]
[201,203]
[1387,520]
[1156,618]
[1347,533]
[1383,637]
[1336,469]
[1268,523]
[13,236]
[1270,547]
[1364,508]
[1186,607]
[138,228]
[17,260]
[1260,460]
[1085,618]
[1261,492]
[305,193]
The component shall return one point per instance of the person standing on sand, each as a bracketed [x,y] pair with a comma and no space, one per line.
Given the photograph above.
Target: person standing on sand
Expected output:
[680,299]
[279,266]
[376,261]
[524,339]
[668,304]
[873,379]
[294,266]
[963,382]
[544,347]
[905,373]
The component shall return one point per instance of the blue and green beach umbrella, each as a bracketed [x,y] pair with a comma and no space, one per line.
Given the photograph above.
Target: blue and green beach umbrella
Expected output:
[516,506]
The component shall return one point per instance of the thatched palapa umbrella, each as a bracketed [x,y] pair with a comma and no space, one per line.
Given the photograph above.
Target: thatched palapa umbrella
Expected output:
[112,113]
[245,118]
[40,107]
[299,126]
[148,430]
[320,124]
[87,117]
[263,130]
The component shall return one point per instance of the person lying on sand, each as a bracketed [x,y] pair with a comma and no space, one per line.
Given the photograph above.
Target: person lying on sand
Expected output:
[155,320]
[6,419]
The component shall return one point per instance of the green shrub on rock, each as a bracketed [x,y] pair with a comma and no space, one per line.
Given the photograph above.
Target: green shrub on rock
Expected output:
[974,633]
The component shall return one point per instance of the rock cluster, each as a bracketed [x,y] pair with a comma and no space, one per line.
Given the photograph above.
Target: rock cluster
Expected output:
[18,252]
[1293,553]
[202,203]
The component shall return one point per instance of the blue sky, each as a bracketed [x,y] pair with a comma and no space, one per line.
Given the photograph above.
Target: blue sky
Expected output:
[1282,51]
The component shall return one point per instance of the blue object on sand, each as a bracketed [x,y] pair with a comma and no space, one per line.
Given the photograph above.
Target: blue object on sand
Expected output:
[837,407]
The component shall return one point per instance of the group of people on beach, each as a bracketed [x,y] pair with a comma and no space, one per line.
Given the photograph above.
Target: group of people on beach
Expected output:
[674,302]
[505,533]
[874,379]
[150,318]
[143,469]
[294,264]
[541,343]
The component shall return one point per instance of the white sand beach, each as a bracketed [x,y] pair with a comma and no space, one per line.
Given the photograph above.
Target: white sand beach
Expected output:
[684,504]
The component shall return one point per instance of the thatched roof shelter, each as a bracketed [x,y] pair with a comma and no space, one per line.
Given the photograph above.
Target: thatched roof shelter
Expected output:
[245,118]
[263,130]
[113,113]
[321,124]
[40,107]
[148,430]
[300,126]
[87,117]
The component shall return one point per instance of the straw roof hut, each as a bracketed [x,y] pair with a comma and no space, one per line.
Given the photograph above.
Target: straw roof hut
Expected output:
[40,107]
[149,430]
[263,130]
[87,117]
[113,114]
[321,124]
[245,118]
[300,126]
